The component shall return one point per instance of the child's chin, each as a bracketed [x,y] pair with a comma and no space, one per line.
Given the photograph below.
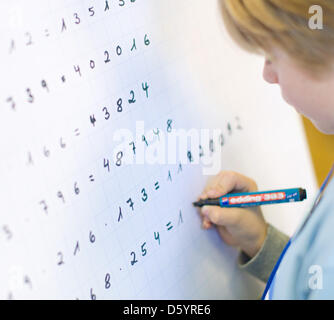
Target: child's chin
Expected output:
[324,128]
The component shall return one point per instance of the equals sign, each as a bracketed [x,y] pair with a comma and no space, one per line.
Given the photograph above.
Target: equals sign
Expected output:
[157,185]
[169,226]
[91,178]
[76,132]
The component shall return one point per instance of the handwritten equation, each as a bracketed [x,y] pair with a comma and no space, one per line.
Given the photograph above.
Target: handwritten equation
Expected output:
[57,216]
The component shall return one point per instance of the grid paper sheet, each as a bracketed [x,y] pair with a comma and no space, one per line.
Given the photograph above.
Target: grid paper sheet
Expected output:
[94,201]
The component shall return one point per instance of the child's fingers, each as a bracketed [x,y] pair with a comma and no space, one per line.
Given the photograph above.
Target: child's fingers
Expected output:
[228,181]
[221,216]
[206,223]
[235,181]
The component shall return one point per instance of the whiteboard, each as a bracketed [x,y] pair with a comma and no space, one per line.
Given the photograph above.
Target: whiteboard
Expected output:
[114,114]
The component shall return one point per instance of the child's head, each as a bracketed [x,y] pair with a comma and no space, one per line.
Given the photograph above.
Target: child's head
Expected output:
[299,58]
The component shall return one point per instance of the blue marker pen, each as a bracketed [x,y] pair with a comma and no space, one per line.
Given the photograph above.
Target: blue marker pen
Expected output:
[253,199]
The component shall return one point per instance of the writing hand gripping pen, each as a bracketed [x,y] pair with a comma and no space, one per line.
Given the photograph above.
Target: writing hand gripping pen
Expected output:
[252,199]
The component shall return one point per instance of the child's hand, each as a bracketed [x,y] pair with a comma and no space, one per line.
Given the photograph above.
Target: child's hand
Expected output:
[241,227]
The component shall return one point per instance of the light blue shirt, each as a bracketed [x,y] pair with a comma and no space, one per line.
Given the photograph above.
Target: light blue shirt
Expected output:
[307,268]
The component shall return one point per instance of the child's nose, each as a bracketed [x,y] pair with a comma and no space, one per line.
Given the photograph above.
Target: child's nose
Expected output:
[269,74]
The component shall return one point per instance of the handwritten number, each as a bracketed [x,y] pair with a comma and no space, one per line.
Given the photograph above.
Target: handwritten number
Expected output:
[29,37]
[61,258]
[91,237]
[77,248]
[7,232]
[76,188]
[119,105]
[107,281]
[229,128]
[144,197]
[118,50]
[133,261]
[169,125]
[239,126]
[106,164]
[189,156]
[44,85]
[211,146]
[132,99]
[106,113]
[10,100]
[157,133]
[131,204]
[92,119]
[157,237]
[201,151]
[144,140]
[143,250]
[77,19]
[30,96]
[146,41]
[46,152]
[92,295]
[62,143]
[221,140]
[77,69]
[61,196]
[133,147]
[44,205]
[27,281]
[92,12]
[145,88]
[106,53]
[119,157]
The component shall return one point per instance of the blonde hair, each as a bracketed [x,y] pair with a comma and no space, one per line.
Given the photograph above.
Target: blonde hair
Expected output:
[259,25]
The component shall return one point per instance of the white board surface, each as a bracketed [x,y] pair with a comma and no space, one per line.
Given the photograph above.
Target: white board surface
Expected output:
[76,220]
